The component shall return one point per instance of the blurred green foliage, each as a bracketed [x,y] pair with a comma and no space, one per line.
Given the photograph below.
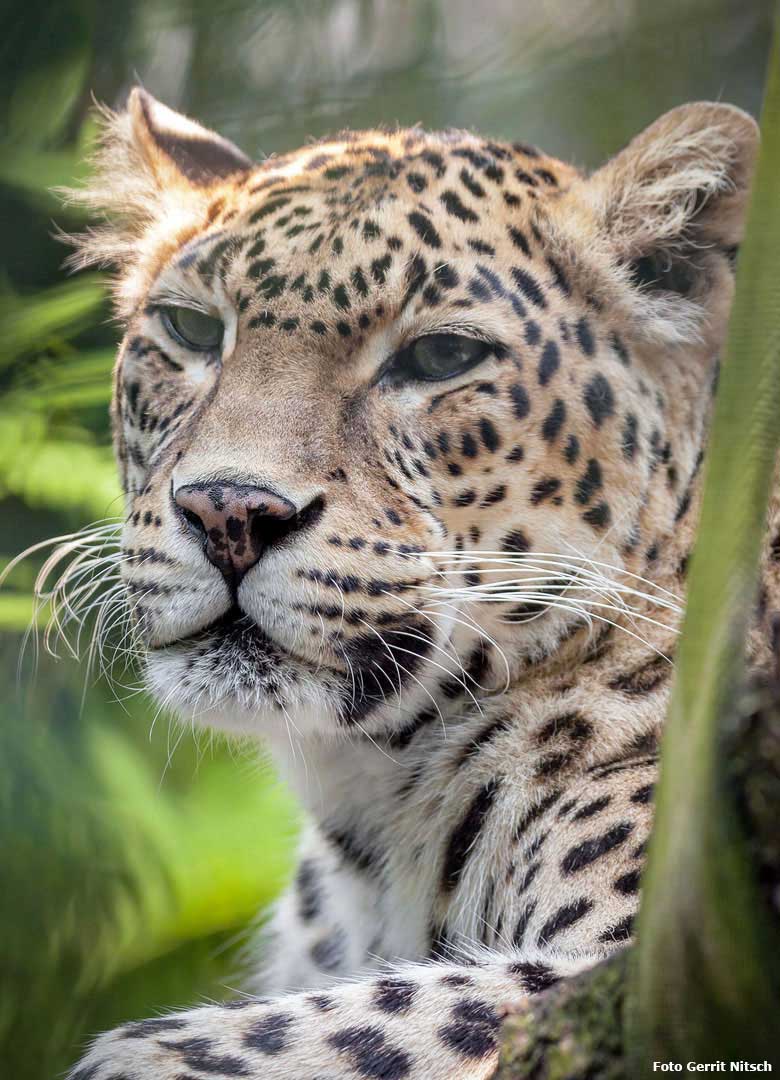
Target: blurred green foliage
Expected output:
[134,860]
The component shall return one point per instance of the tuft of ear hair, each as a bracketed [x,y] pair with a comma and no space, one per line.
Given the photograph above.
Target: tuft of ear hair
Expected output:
[154,169]
[678,188]
[178,149]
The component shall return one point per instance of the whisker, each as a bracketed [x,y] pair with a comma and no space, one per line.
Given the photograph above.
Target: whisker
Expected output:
[520,558]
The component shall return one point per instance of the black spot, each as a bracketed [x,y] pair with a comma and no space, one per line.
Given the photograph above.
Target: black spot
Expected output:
[592,808]
[424,228]
[522,923]
[479,290]
[644,679]
[554,421]
[470,182]
[394,995]
[321,1002]
[519,240]
[533,815]
[472,1031]
[572,724]
[379,268]
[520,400]
[269,208]
[88,1072]
[628,884]
[559,277]
[684,505]
[453,204]
[445,276]
[585,337]
[549,362]
[543,489]
[563,918]
[269,1034]
[482,739]
[589,483]
[516,541]
[196,1053]
[550,764]
[468,445]
[456,979]
[352,850]
[309,891]
[416,273]
[535,977]
[529,287]
[359,281]
[620,349]
[599,399]
[489,434]
[260,267]
[577,858]
[141,1029]
[643,795]
[628,439]
[466,834]
[436,161]
[328,952]
[272,286]
[621,931]
[341,297]
[528,877]
[598,516]
[526,178]
[495,495]
[371,1055]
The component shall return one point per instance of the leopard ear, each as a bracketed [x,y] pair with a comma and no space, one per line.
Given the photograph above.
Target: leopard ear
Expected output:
[678,190]
[154,176]
[176,148]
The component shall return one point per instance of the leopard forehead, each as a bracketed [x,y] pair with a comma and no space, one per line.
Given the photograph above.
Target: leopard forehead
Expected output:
[308,240]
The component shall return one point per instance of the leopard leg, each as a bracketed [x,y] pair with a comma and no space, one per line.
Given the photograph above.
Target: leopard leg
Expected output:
[417,1022]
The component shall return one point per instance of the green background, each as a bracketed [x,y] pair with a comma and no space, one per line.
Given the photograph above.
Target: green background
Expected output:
[134,856]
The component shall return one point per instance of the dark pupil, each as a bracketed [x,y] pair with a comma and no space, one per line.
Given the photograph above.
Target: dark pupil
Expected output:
[196,328]
[440,355]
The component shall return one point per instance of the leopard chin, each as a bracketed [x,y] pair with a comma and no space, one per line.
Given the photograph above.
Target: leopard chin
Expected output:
[233,677]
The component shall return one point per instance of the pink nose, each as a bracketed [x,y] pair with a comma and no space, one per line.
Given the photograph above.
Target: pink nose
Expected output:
[236,523]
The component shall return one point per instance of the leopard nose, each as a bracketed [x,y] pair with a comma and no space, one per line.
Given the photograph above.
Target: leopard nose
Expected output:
[236,523]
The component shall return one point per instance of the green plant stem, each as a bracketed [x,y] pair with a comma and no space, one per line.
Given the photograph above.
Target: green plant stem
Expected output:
[706,974]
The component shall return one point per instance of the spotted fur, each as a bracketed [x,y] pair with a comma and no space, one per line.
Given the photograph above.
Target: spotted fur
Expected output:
[449,608]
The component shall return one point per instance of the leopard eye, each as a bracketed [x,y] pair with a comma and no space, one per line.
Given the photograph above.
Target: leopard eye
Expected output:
[438,356]
[195,329]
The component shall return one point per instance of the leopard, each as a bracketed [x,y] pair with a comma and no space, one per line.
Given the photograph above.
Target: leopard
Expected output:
[411,427]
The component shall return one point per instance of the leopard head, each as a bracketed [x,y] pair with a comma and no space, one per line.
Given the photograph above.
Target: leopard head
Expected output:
[402,414]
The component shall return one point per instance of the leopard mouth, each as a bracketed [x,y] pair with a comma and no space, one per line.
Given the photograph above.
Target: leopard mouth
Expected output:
[233,623]
[236,634]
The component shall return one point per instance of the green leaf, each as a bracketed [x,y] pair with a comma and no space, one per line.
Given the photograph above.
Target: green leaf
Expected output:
[35,322]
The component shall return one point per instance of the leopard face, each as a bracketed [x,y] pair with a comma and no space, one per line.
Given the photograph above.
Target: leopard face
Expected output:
[381,403]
